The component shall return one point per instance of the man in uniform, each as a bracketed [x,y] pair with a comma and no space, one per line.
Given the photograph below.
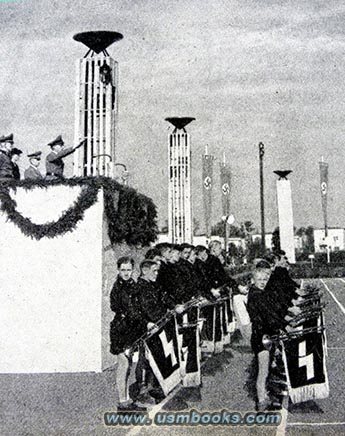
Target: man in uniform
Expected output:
[33,172]
[6,168]
[15,155]
[54,160]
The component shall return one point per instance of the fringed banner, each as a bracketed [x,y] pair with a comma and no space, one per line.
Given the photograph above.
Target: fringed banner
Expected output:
[305,363]
[163,355]
[207,313]
[226,321]
[218,329]
[190,348]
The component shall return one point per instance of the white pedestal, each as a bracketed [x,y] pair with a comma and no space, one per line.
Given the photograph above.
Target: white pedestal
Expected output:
[287,242]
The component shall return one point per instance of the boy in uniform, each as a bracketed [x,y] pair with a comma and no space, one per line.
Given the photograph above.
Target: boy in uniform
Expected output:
[125,329]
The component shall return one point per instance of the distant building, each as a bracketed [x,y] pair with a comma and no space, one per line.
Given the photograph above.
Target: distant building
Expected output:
[200,240]
[298,243]
[335,239]
[238,242]
[268,239]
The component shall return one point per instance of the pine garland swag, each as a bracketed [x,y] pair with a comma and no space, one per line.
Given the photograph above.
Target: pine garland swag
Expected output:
[131,217]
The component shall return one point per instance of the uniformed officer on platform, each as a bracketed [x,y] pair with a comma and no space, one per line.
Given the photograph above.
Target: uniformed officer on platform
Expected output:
[6,167]
[54,160]
[33,172]
[15,155]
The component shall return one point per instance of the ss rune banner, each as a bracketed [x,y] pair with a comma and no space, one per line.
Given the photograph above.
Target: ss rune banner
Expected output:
[324,191]
[218,328]
[305,363]
[227,321]
[225,179]
[163,355]
[207,187]
[213,328]
[190,347]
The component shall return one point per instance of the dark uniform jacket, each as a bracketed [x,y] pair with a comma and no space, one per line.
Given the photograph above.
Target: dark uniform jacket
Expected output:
[215,271]
[196,284]
[165,282]
[32,173]
[260,317]
[6,167]
[268,308]
[280,291]
[125,327]
[204,281]
[149,300]
[55,164]
[16,172]
[188,286]
[170,282]
[217,275]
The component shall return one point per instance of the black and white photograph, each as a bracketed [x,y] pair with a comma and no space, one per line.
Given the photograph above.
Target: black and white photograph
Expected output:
[172,244]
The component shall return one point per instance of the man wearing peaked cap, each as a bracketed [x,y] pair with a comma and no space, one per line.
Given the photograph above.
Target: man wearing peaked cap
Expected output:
[15,155]
[6,167]
[8,138]
[54,160]
[33,172]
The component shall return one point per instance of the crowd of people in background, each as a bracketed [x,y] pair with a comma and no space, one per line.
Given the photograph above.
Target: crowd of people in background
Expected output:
[10,155]
[171,276]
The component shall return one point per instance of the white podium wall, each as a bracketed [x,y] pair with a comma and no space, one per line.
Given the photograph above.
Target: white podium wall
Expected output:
[51,290]
[54,300]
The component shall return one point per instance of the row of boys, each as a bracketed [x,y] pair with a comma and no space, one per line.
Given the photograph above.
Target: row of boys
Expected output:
[170,276]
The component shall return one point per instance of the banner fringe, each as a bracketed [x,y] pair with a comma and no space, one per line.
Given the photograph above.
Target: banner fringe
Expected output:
[318,391]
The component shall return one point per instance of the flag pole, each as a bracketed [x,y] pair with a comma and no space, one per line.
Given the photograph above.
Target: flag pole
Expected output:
[262,204]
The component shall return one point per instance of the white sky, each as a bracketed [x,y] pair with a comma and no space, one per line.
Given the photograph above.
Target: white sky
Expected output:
[247,70]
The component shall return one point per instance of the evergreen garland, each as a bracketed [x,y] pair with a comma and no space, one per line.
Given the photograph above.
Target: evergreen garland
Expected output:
[131,217]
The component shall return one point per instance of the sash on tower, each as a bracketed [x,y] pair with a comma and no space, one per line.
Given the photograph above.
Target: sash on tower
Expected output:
[207,181]
[225,180]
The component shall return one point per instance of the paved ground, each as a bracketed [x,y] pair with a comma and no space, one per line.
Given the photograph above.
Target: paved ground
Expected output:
[74,404]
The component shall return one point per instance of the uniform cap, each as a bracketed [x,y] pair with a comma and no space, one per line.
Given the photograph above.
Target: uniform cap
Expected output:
[16,151]
[35,155]
[56,141]
[8,138]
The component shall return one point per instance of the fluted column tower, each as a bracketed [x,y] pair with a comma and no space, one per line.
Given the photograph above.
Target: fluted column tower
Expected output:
[96,105]
[179,206]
